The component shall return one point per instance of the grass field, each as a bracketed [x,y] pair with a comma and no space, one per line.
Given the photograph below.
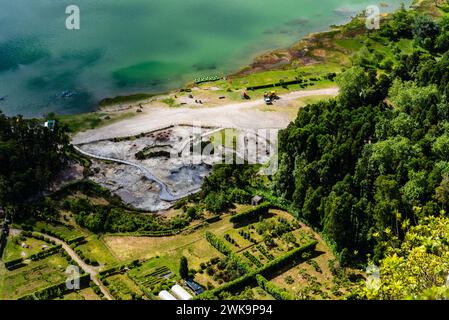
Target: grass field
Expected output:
[95,249]
[14,249]
[34,276]
[127,248]
[92,120]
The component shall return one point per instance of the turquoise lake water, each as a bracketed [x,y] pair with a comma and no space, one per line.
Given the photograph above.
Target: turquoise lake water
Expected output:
[133,46]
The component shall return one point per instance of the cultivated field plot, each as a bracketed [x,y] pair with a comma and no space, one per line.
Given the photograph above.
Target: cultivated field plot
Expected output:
[153,277]
[274,235]
[36,275]
[315,278]
[257,241]
[123,288]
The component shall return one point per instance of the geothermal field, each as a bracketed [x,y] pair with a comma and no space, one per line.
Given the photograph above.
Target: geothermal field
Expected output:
[153,170]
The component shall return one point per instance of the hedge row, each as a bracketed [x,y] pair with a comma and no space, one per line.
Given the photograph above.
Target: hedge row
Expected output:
[45,253]
[287,258]
[251,213]
[16,263]
[276,292]
[56,290]
[253,259]
[160,233]
[37,236]
[230,286]
[119,269]
[61,237]
[83,257]
[12,263]
[77,240]
[218,244]
[213,219]
[304,82]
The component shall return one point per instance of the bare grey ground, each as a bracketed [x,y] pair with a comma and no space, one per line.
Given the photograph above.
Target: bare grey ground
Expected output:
[181,173]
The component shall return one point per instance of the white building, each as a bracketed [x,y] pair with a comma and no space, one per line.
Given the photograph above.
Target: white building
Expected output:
[165,295]
[180,292]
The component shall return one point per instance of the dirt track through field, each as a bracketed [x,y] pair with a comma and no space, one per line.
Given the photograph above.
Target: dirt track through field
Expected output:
[91,270]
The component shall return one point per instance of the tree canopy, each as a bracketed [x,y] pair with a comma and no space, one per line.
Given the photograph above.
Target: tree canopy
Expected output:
[362,163]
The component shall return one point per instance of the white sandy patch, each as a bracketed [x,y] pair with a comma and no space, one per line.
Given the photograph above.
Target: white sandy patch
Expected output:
[243,115]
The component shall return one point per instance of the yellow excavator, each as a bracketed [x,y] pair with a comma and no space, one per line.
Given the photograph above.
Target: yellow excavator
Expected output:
[270,97]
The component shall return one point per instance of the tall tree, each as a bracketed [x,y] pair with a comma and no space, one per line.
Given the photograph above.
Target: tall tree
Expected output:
[183,268]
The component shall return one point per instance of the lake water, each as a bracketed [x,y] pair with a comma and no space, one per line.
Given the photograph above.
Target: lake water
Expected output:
[133,46]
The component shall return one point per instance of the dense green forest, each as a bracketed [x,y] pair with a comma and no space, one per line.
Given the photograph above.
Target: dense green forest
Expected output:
[31,155]
[366,166]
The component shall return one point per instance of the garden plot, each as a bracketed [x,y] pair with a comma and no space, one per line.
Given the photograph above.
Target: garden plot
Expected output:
[151,278]
[271,240]
[34,276]
[123,288]
[318,277]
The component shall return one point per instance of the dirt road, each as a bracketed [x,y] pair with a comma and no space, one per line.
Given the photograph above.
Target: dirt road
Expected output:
[235,115]
[91,270]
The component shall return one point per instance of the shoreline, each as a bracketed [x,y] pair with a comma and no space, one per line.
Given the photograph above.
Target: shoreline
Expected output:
[317,55]
[251,115]
[263,61]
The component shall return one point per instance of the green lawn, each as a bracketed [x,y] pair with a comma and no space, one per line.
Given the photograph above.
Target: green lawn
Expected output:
[14,249]
[128,248]
[275,76]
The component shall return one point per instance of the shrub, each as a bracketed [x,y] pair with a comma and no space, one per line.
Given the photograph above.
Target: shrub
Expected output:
[251,214]
[277,293]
